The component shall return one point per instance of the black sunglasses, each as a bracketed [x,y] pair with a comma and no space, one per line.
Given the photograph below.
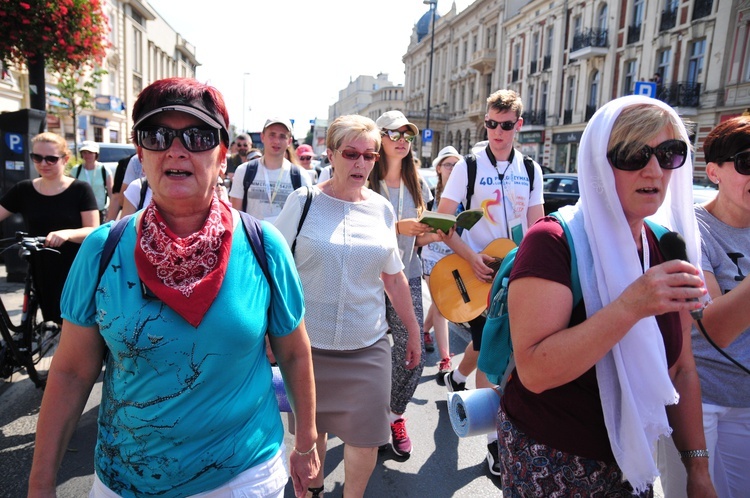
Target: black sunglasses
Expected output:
[38,158]
[741,162]
[305,158]
[670,154]
[505,125]
[195,139]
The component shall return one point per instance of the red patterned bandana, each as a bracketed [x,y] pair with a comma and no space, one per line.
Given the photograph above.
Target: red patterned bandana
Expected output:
[185,273]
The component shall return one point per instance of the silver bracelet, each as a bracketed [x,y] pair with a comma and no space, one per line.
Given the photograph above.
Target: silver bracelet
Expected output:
[694,454]
[305,453]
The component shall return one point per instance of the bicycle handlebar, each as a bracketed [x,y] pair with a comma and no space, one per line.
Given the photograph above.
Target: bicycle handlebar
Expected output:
[27,242]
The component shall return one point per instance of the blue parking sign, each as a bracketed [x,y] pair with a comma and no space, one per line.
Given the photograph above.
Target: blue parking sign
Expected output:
[645,88]
[427,135]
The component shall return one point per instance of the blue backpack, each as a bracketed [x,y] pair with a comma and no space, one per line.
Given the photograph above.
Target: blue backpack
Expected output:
[496,349]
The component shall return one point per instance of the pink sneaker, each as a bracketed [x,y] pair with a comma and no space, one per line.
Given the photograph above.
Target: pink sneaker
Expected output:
[429,343]
[400,441]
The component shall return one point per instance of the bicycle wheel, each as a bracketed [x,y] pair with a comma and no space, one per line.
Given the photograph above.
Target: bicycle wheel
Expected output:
[39,337]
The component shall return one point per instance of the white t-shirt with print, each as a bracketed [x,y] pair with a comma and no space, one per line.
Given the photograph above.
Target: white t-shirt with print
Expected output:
[506,202]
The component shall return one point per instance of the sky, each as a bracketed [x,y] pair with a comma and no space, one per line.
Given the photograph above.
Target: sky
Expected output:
[290,58]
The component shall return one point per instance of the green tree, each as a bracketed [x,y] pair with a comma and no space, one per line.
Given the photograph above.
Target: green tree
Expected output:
[58,34]
[78,88]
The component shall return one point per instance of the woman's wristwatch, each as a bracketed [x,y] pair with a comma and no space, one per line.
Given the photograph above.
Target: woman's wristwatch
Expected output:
[694,454]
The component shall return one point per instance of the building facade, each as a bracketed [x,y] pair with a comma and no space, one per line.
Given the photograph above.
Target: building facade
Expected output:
[144,48]
[566,59]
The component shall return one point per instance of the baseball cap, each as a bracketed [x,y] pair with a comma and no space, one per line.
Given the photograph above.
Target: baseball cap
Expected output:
[305,149]
[89,146]
[282,121]
[194,107]
[393,120]
[448,151]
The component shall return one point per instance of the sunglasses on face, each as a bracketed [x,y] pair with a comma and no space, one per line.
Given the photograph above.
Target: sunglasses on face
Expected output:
[38,158]
[505,125]
[670,155]
[741,162]
[159,138]
[305,158]
[353,155]
[396,135]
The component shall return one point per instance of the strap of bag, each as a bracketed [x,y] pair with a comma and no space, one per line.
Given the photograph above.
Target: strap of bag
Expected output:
[144,190]
[250,171]
[529,163]
[575,279]
[251,225]
[471,170]
[296,176]
[305,209]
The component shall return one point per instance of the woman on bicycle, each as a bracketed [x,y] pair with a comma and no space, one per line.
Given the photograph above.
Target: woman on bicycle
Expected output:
[182,309]
[54,206]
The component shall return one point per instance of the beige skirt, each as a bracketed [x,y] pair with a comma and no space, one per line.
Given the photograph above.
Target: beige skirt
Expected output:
[353,390]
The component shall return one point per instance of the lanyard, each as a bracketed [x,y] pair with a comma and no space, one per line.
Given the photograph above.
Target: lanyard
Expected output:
[384,188]
[272,195]
[646,256]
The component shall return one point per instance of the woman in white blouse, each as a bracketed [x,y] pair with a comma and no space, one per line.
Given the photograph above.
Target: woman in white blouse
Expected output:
[347,256]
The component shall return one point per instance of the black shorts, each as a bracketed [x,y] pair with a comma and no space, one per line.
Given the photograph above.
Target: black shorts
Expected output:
[476,326]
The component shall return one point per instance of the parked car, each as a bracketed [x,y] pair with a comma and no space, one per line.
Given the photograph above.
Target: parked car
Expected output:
[429,175]
[560,189]
[110,153]
[703,190]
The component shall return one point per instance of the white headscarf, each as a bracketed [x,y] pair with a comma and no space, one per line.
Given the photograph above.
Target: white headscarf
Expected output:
[633,378]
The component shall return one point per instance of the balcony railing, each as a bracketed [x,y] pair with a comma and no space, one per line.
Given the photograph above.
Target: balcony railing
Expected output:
[567,116]
[514,75]
[702,8]
[590,38]
[535,117]
[668,19]
[634,33]
[590,110]
[546,62]
[532,67]
[680,94]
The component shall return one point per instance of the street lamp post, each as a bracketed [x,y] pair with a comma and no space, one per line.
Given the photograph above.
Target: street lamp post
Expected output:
[433,8]
[244,107]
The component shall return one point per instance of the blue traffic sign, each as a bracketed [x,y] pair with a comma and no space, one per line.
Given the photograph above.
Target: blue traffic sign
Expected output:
[427,135]
[645,88]
[14,142]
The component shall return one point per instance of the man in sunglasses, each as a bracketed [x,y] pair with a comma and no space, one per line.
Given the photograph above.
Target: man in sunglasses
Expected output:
[502,187]
[243,144]
[271,178]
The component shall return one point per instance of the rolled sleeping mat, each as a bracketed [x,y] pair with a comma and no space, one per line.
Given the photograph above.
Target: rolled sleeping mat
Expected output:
[280,391]
[473,412]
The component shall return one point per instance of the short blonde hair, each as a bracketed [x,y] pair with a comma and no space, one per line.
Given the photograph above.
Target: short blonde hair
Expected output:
[351,127]
[53,138]
[637,124]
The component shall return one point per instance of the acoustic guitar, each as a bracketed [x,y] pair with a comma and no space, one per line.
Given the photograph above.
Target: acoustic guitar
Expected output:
[458,294]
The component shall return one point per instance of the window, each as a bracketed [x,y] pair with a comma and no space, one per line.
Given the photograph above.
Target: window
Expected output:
[492,37]
[570,98]
[664,59]
[550,36]
[629,74]
[594,90]
[638,6]
[746,76]
[577,26]
[695,64]
[545,96]
[516,56]
[535,46]
[455,56]
[474,43]
[466,49]
[602,18]
[531,103]
[137,50]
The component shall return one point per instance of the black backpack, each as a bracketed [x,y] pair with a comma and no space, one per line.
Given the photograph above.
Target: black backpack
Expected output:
[252,170]
[471,168]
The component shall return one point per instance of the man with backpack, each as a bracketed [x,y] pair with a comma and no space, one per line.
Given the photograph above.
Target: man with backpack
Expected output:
[95,174]
[508,187]
[260,187]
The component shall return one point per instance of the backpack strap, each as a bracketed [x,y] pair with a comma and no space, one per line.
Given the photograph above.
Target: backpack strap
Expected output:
[471,170]
[575,279]
[530,172]
[78,171]
[104,182]
[250,171]
[305,209]
[113,238]
[296,175]
[144,190]
[254,233]
[658,229]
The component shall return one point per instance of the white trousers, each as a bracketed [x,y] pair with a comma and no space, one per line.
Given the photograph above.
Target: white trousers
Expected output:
[728,442]
[266,480]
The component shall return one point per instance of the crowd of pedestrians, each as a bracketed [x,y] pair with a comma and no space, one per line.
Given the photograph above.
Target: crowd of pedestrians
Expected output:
[195,301]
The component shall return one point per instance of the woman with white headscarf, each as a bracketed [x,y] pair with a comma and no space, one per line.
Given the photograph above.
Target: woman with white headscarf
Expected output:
[585,406]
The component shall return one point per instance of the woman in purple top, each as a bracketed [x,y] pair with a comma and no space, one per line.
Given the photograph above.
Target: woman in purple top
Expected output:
[597,383]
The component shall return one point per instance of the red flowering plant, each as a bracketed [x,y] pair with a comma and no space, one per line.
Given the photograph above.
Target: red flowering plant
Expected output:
[64,33]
